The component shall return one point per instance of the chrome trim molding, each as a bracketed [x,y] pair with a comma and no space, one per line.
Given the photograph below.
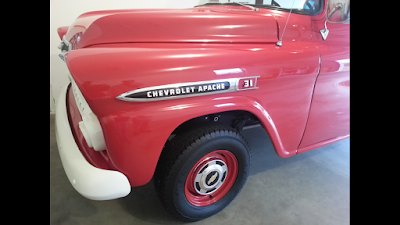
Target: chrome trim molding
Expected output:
[63,52]
[233,86]
[324,32]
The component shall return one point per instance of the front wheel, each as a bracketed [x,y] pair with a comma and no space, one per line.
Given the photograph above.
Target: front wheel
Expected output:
[202,171]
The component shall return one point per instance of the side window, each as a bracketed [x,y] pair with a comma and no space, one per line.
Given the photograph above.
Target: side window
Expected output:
[342,15]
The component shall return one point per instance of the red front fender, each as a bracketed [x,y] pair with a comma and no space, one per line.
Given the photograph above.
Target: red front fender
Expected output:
[135,132]
[137,140]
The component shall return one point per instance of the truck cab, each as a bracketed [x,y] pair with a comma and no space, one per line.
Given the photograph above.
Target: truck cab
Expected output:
[163,94]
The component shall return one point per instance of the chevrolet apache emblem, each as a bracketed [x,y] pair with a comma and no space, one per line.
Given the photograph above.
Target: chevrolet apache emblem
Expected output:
[190,89]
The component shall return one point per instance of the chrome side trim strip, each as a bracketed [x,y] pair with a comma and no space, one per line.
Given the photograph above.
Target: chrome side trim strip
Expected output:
[233,86]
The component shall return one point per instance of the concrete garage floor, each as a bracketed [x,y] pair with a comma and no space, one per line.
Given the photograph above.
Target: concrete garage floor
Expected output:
[309,188]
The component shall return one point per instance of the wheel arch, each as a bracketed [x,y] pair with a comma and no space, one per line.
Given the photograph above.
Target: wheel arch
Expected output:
[244,108]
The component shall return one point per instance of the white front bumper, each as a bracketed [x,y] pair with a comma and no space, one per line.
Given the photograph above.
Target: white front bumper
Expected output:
[91,182]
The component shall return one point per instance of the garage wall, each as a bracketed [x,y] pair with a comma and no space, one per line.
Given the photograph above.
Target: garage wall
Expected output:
[64,12]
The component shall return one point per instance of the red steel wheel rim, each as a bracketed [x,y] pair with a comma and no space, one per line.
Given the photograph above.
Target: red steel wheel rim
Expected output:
[210,169]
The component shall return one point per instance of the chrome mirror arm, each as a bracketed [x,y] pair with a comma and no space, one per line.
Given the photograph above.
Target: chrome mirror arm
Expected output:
[324,32]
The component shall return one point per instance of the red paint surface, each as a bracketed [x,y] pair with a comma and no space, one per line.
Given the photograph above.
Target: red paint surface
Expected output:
[330,108]
[131,49]
[62,31]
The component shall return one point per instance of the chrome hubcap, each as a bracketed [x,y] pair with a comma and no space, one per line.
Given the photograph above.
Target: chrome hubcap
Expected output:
[210,177]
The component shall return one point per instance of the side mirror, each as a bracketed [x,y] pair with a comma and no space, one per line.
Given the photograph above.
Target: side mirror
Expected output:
[343,14]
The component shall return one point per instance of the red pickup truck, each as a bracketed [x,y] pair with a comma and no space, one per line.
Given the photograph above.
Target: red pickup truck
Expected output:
[164,94]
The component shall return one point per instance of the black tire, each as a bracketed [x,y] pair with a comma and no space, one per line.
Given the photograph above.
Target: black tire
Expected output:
[183,153]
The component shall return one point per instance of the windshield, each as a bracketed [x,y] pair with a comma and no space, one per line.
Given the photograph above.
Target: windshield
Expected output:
[308,7]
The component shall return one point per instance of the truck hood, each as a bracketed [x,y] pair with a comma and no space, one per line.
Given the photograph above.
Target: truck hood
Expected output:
[212,24]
